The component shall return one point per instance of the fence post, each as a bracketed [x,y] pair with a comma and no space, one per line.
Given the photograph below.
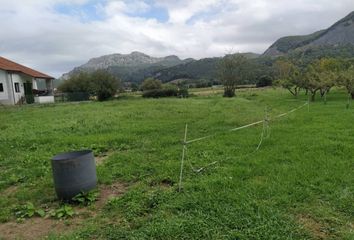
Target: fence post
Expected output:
[308,103]
[184,149]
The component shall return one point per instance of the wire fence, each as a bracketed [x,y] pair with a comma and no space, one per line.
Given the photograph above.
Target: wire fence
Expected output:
[264,134]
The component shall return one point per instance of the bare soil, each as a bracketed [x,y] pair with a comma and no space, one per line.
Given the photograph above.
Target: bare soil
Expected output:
[37,228]
[317,229]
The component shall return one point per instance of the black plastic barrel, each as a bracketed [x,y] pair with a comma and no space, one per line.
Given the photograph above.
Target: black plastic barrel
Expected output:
[74,172]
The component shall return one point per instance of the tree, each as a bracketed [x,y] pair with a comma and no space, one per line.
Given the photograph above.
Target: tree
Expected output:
[103,84]
[77,87]
[151,84]
[77,83]
[134,87]
[99,83]
[321,76]
[346,79]
[288,75]
[264,81]
[312,81]
[232,71]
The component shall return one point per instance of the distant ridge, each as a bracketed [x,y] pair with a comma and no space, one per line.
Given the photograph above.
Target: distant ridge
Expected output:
[339,34]
[127,66]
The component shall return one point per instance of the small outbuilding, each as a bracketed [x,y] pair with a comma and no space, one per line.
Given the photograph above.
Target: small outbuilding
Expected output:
[20,84]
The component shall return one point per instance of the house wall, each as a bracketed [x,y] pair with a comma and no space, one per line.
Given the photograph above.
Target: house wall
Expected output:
[18,78]
[9,96]
[6,96]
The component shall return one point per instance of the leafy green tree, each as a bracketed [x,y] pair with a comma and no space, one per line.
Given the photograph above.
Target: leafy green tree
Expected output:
[134,87]
[104,85]
[321,76]
[312,81]
[232,71]
[99,83]
[151,84]
[77,83]
[288,76]
[346,79]
[264,81]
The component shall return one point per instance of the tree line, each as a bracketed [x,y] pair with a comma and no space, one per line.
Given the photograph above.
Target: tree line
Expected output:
[316,77]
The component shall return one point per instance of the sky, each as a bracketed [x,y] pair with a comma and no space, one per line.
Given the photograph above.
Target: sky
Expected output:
[54,36]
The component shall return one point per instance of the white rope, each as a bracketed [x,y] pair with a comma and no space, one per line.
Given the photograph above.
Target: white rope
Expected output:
[248,125]
[265,134]
[198,170]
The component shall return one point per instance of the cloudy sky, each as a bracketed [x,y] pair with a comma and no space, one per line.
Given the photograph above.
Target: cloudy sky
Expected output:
[54,36]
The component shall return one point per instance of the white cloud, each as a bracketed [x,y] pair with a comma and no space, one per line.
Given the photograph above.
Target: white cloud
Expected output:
[34,33]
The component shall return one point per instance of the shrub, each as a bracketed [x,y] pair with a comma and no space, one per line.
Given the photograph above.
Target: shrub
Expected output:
[151,84]
[168,92]
[157,93]
[104,85]
[183,93]
[264,81]
[99,83]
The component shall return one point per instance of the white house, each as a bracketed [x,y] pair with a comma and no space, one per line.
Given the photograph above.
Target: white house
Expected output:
[20,84]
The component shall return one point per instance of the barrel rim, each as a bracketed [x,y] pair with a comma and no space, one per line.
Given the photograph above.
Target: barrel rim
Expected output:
[71,155]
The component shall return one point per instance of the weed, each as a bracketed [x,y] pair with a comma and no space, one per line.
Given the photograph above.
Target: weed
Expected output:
[63,212]
[28,210]
[86,198]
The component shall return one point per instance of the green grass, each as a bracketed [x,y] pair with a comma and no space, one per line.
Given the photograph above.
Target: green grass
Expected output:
[299,185]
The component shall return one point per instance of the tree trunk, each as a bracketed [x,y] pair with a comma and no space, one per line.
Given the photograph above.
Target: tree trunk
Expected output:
[229,92]
[313,95]
[352,94]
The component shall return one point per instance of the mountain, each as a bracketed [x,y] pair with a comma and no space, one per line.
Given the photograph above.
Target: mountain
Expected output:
[205,68]
[137,66]
[133,67]
[339,35]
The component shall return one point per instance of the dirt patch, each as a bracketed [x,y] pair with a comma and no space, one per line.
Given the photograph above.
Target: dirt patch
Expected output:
[100,159]
[110,191]
[317,230]
[10,190]
[37,228]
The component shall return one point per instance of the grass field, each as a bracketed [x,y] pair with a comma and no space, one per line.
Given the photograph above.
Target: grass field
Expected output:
[298,185]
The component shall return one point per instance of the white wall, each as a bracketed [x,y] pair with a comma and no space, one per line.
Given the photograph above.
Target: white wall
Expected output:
[17,78]
[6,97]
[44,99]
[3,79]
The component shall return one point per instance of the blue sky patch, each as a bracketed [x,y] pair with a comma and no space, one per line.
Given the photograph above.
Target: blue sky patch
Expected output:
[90,12]
[86,12]
[154,12]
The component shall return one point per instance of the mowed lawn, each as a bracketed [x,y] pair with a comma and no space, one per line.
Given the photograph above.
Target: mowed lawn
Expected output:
[298,185]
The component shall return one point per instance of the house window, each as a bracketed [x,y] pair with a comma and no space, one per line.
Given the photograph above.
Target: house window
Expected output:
[17,87]
[1,87]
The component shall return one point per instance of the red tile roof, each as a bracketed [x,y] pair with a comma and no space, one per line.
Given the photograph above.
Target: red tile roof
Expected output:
[6,64]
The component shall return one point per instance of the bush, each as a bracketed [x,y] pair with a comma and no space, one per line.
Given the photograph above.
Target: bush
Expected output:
[264,81]
[77,83]
[99,83]
[183,93]
[168,92]
[157,93]
[151,84]
[104,85]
